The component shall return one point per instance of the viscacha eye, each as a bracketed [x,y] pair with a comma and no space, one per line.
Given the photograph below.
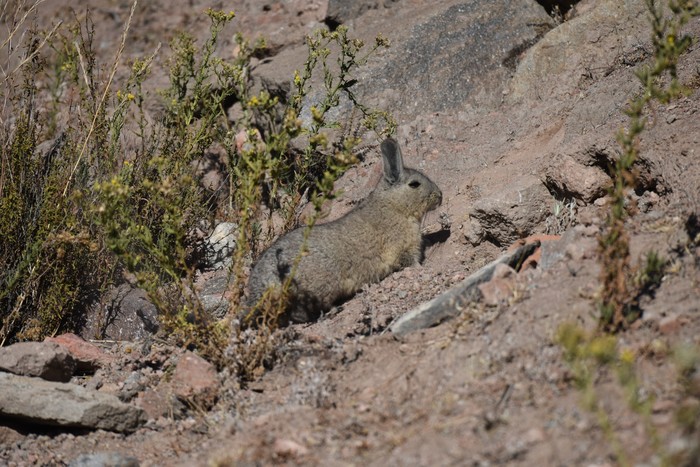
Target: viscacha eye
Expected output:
[414,183]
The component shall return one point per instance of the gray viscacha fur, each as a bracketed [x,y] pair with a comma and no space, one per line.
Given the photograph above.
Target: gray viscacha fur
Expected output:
[380,236]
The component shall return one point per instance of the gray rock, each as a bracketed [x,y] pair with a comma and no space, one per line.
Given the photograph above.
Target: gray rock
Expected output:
[126,314]
[46,360]
[342,11]
[32,400]
[104,459]
[214,293]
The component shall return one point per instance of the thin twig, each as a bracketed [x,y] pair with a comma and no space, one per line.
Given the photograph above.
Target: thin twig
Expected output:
[21,22]
[102,99]
[35,53]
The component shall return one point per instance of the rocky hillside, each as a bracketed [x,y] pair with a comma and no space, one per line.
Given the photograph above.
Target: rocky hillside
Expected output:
[512,108]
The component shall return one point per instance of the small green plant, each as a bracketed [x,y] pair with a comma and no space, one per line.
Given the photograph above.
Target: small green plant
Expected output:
[593,357]
[660,83]
[590,356]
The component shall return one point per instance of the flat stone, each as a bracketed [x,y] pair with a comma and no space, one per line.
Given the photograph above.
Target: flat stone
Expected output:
[35,401]
[46,360]
[157,403]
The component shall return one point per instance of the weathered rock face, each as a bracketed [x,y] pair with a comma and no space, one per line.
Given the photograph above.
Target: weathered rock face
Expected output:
[32,400]
[46,360]
[569,179]
[452,55]
[462,56]
[589,42]
[342,11]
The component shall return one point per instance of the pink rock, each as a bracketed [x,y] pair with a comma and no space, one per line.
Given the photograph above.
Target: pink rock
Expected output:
[286,448]
[88,356]
[496,290]
[195,380]
[154,403]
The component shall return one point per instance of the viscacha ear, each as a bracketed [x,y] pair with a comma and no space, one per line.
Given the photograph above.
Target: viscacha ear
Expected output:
[393,161]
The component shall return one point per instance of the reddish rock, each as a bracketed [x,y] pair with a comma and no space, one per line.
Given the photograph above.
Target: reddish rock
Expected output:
[194,380]
[88,356]
[156,404]
[46,360]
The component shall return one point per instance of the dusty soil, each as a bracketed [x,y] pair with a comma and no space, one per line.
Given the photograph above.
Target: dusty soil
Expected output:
[490,387]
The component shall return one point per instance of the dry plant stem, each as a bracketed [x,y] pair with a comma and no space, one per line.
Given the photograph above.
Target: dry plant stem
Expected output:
[103,98]
[36,52]
[19,24]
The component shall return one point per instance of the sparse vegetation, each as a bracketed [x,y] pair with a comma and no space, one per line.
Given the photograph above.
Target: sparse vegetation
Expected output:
[114,191]
[659,83]
[592,358]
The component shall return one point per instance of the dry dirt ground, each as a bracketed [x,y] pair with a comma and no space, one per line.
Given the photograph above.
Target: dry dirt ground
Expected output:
[490,387]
